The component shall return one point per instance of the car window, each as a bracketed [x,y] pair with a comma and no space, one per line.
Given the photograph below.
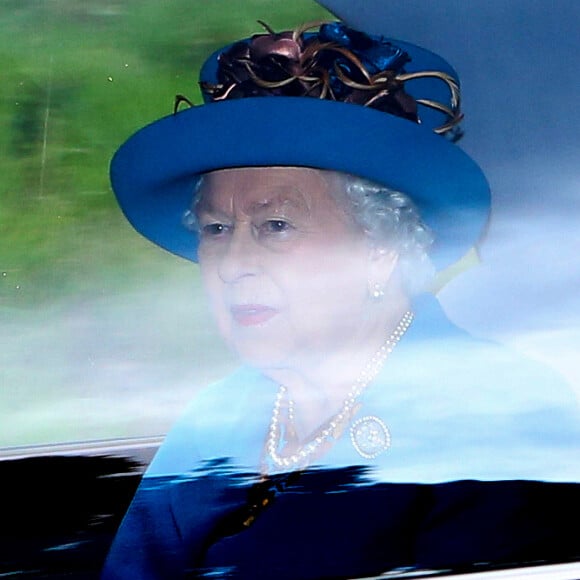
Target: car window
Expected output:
[105,339]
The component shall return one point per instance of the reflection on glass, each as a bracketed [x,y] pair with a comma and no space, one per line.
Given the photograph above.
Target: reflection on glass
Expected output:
[317,271]
[422,448]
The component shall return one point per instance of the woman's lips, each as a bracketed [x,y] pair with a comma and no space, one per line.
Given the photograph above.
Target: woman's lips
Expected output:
[252,314]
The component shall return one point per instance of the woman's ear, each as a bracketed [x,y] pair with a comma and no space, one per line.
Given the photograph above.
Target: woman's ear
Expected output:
[381,266]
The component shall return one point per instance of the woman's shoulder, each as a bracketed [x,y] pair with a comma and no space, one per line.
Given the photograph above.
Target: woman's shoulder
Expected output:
[448,357]
[219,423]
[462,407]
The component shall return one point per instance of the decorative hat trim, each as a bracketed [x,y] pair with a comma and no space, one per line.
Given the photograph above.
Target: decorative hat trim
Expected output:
[335,63]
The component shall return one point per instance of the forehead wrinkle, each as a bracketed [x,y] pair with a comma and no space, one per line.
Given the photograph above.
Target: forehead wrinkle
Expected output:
[249,197]
[278,200]
[206,205]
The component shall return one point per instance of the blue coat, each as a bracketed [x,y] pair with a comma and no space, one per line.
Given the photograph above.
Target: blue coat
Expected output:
[482,468]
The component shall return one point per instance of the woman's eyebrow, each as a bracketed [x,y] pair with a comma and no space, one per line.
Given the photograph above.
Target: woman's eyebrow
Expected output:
[207,210]
[277,202]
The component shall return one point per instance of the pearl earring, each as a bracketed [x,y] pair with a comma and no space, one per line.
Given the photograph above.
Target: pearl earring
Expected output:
[377,292]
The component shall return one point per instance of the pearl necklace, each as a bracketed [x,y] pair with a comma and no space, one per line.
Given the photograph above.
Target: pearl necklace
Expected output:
[335,426]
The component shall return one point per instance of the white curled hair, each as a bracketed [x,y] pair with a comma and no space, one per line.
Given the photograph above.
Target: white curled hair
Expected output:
[391,220]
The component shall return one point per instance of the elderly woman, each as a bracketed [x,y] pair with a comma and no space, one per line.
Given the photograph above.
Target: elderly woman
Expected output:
[319,194]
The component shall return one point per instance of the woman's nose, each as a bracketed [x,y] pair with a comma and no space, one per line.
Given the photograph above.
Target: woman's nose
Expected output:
[240,256]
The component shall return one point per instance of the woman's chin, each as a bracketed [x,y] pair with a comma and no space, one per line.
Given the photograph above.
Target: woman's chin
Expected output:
[261,356]
[262,347]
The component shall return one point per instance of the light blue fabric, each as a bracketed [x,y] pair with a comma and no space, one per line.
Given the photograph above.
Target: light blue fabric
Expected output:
[456,408]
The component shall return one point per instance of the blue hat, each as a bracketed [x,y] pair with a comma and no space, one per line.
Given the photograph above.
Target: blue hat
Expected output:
[376,108]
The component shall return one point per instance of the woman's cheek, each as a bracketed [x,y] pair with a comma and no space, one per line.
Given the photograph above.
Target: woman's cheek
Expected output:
[213,289]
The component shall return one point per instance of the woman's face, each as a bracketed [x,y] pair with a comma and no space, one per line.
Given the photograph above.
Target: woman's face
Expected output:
[285,268]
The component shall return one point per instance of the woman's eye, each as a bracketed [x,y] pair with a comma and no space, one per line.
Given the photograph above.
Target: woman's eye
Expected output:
[215,229]
[276,226]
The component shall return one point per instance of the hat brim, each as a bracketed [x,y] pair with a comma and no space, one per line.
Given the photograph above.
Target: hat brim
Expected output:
[154,172]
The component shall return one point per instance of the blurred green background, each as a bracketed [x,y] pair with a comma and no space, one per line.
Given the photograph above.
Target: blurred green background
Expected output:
[101,334]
